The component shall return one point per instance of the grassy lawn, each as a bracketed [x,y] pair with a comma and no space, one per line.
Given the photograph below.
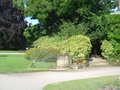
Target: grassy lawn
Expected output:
[17,63]
[10,51]
[85,84]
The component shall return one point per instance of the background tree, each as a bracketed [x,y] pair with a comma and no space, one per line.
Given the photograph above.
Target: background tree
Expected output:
[11,26]
[114,33]
[55,15]
[32,33]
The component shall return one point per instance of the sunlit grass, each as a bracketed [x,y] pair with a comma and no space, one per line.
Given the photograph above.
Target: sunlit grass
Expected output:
[17,63]
[85,84]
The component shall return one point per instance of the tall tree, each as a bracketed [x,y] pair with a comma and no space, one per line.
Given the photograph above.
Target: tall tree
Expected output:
[53,14]
[11,26]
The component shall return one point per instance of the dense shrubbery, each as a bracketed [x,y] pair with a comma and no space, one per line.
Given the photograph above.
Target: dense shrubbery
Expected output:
[47,42]
[78,47]
[45,49]
[42,54]
[107,49]
[110,53]
[113,36]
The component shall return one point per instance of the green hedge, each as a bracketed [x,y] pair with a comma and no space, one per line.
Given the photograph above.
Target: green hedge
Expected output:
[77,47]
[42,54]
[107,49]
[110,53]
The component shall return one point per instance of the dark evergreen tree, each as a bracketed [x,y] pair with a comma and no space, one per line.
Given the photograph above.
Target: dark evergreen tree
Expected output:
[12,25]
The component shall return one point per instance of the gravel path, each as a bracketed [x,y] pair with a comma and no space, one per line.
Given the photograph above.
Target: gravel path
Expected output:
[36,81]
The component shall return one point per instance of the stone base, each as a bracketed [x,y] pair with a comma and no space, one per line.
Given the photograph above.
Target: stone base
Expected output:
[59,68]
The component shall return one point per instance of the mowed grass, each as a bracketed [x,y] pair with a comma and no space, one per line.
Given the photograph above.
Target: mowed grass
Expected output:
[10,51]
[84,84]
[17,63]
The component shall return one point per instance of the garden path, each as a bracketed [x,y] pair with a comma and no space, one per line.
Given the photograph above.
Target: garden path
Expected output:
[37,80]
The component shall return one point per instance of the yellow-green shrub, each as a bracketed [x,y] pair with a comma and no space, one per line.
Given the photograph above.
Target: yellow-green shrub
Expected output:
[107,49]
[47,42]
[78,47]
[42,54]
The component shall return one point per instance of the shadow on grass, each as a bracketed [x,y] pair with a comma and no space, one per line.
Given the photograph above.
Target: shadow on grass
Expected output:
[3,55]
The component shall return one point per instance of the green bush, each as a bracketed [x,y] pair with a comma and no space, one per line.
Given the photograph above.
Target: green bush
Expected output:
[110,52]
[80,47]
[107,49]
[47,42]
[42,54]
[113,36]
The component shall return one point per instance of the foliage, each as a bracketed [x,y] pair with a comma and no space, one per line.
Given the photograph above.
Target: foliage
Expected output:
[80,47]
[98,27]
[65,7]
[32,33]
[114,36]
[51,13]
[42,54]
[107,49]
[45,49]
[12,25]
[68,29]
[47,42]
[71,17]
[19,4]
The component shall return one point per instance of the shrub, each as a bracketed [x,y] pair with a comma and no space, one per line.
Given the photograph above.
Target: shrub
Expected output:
[107,49]
[80,47]
[47,42]
[110,52]
[42,54]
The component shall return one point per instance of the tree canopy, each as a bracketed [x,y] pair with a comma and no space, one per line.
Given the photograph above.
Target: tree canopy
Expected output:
[11,26]
[66,17]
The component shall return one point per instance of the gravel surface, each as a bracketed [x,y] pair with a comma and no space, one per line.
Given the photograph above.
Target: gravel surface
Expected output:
[37,80]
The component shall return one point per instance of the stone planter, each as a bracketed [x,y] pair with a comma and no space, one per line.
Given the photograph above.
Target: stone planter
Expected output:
[76,66]
[63,62]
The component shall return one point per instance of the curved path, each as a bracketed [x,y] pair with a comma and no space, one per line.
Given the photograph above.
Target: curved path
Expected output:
[37,80]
